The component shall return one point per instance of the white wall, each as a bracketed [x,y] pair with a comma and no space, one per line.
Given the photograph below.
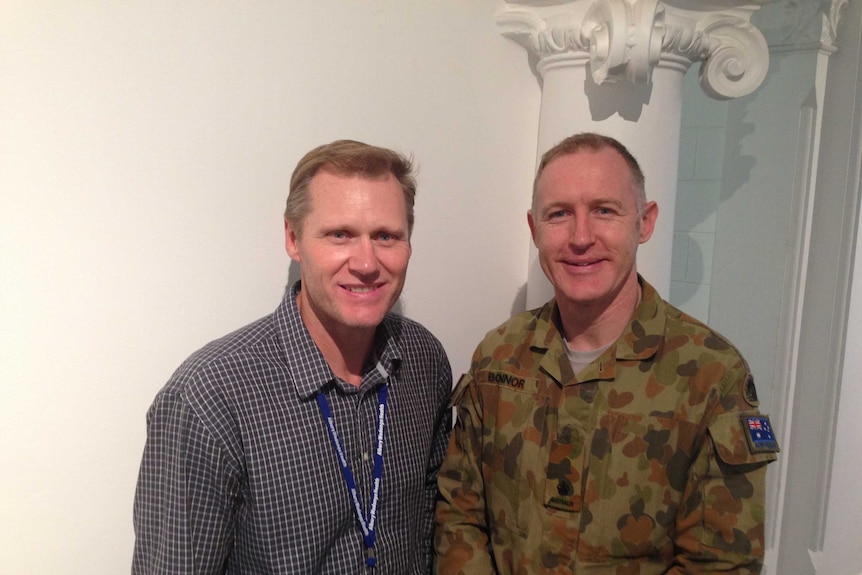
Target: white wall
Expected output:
[145,150]
[701,164]
[842,554]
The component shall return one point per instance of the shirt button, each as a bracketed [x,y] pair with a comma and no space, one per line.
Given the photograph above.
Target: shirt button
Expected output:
[364,456]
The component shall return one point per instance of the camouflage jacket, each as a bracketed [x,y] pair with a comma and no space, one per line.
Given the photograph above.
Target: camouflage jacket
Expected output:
[642,464]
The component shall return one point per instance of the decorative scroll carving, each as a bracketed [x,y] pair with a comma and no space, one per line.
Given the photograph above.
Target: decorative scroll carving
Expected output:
[737,61]
[627,39]
[622,39]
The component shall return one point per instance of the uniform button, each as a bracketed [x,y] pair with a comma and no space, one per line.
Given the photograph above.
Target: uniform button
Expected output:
[364,456]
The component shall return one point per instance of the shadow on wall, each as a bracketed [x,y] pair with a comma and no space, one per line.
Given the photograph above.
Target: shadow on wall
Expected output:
[519,304]
[688,268]
[737,167]
[623,98]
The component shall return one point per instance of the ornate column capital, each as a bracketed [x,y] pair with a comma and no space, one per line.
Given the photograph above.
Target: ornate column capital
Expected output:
[627,39]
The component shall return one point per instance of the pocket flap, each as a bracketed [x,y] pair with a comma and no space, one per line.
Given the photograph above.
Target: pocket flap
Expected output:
[744,438]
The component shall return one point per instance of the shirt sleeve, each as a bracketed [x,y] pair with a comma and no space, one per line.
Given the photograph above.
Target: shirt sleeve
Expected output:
[720,524]
[443,428]
[461,541]
[184,500]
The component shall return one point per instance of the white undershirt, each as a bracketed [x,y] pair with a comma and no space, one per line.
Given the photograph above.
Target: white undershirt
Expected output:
[581,359]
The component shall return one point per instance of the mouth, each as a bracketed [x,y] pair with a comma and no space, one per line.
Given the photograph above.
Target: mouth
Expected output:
[582,264]
[360,289]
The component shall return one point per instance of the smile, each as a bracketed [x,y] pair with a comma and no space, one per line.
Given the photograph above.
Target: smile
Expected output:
[360,289]
[583,264]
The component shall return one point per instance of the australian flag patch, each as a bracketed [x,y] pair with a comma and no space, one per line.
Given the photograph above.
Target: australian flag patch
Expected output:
[759,432]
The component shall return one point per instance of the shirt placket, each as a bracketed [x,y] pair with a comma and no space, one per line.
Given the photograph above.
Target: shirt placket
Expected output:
[365,435]
[564,488]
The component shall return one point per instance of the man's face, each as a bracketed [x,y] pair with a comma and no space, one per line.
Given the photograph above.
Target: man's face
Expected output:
[586,226]
[353,252]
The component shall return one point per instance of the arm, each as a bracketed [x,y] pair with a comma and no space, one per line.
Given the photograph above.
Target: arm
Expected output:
[442,429]
[184,497]
[720,524]
[461,541]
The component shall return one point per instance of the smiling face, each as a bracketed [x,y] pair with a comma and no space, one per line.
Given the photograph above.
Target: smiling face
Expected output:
[353,252]
[586,226]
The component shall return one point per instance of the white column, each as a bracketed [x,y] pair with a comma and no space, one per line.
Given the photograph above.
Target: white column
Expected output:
[616,67]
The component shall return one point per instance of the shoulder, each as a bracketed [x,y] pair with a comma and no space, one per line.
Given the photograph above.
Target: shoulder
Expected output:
[422,356]
[687,331]
[523,327]
[225,361]
[411,336]
[704,354]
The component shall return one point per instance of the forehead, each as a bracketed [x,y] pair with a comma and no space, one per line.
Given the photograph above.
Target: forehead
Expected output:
[344,195]
[587,173]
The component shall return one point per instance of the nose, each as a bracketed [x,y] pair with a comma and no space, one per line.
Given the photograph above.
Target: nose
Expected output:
[363,259]
[581,234]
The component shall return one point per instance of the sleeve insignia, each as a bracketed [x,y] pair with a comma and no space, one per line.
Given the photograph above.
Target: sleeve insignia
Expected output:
[758,431]
[750,392]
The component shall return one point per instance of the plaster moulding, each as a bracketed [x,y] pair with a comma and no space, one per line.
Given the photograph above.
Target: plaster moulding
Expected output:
[624,40]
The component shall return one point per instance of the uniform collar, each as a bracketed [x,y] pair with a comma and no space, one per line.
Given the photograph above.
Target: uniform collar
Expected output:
[639,340]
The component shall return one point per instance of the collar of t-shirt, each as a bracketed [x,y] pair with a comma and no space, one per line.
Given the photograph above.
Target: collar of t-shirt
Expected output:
[581,359]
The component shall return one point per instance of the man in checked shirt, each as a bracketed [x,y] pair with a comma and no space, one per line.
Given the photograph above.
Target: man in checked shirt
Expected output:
[308,441]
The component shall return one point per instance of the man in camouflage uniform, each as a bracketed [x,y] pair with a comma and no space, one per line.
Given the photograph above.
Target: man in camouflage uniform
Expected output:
[606,432]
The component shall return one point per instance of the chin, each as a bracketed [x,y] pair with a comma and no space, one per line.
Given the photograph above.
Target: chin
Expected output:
[364,320]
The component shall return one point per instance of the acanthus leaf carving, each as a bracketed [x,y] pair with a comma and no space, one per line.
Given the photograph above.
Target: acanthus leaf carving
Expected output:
[627,39]
[623,39]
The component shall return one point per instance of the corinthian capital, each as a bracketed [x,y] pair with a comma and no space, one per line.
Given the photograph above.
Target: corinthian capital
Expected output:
[627,39]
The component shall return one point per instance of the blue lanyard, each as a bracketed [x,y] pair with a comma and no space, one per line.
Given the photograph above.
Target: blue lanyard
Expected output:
[368,524]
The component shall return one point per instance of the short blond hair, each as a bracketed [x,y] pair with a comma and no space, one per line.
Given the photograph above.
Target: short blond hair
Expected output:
[348,158]
[594,143]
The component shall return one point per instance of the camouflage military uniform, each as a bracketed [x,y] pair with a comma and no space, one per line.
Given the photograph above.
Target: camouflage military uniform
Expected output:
[640,465]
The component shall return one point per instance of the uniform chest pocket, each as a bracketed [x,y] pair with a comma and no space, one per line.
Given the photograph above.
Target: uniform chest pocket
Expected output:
[514,440]
[635,478]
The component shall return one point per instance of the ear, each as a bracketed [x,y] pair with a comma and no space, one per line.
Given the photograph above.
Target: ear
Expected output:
[291,241]
[532,225]
[648,221]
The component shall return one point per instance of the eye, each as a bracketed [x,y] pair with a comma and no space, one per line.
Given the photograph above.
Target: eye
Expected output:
[387,238]
[339,235]
[556,215]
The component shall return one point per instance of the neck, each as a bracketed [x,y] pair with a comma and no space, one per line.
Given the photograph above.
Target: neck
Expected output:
[590,327]
[344,349]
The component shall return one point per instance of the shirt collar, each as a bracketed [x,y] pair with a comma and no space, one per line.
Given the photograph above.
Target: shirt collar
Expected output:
[639,340]
[306,367]
[643,335]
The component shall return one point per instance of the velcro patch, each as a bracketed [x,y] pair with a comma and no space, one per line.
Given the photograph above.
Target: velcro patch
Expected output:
[510,380]
[750,392]
[761,438]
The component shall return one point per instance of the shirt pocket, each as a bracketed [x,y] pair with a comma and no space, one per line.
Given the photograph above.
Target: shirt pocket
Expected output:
[512,455]
[635,478]
[733,451]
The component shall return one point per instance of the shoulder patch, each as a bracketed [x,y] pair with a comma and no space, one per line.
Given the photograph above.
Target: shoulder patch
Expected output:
[758,431]
[750,392]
